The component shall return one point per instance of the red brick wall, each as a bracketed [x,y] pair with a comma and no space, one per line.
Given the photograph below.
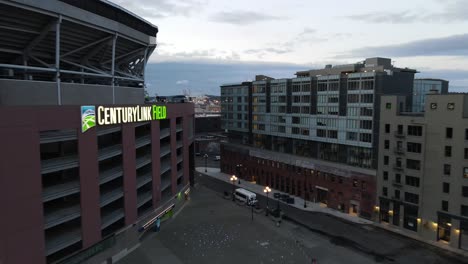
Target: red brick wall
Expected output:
[303,182]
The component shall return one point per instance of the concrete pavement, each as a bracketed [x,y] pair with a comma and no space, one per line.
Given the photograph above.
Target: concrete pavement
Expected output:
[385,246]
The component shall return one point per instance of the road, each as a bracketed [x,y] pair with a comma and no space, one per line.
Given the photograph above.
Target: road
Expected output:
[383,246]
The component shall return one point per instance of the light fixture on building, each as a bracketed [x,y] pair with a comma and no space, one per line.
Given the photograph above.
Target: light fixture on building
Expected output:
[376,208]
[390,212]
[457,231]
[419,220]
[449,224]
[434,224]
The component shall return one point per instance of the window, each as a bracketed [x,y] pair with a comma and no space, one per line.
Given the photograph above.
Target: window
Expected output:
[386,144]
[397,194]
[412,181]
[398,178]
[351,136]
[367,98]
[466,133]
[388,105]
[411,198]
[363,185]
[321,133]
[447,169]
[445,206]
[355,183]
[385,160]
[448,151]
[387,128]
[385,175]
[365,137]
[465,172]
[464,210]
[465,191]
[415,131]
[384,191]
[333,134]
[413,164]
[413,147]
[445,187]
[448,132]
[366,124]
[466,153]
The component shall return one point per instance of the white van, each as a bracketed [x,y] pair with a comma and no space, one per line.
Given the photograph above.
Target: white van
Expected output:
[217,158]
[245,196]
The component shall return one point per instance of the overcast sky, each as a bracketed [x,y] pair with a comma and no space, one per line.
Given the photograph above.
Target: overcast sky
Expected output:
[428,35]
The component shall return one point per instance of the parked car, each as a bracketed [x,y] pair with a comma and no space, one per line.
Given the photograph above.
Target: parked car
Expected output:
[217,158]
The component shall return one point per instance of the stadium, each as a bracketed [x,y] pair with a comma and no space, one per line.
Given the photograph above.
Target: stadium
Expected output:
[87,167]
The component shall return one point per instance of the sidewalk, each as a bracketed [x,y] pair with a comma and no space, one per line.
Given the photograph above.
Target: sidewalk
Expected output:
[298,202]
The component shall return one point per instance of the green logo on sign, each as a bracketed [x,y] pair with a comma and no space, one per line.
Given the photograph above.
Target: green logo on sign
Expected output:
[88,117]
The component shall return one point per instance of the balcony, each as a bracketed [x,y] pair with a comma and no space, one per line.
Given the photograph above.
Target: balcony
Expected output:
[398,167]
[57,216]
[399,151]
[58,164]
[396,198]
[109,152]
[60,190]
[180,174]
[397,184]
[142,141]
[399,134]
[108,218]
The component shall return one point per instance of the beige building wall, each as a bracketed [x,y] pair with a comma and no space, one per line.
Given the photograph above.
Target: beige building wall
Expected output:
[436,220]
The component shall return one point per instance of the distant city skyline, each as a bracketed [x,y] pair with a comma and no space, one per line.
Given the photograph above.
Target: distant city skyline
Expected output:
[429,36]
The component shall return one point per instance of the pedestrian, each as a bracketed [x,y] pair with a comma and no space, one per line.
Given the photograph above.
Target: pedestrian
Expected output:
[157,226]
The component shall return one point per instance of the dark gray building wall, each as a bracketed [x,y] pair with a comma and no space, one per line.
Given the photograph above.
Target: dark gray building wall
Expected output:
[24,92]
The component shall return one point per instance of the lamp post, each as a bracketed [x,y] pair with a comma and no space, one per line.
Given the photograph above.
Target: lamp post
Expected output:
[239,171]
[233,180]
[206,160]
[267,190]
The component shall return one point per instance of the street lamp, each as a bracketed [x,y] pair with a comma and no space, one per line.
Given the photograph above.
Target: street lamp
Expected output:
[206,160]
[267,190]
[233,180]
[239,171]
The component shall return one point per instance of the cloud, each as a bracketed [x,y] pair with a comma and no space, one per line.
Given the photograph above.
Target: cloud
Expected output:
[307,35]
[452,11]
[196,55]
[243,18]
[455,45]
[182,82]
[161,8]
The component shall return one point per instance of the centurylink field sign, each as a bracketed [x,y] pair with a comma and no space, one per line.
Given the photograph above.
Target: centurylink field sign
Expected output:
[119,115]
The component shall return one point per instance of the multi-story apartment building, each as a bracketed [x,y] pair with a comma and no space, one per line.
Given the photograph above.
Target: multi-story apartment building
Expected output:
[422,87]
[322,125]
[423,168]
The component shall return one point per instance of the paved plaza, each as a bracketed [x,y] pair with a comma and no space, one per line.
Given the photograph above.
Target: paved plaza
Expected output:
[211,229]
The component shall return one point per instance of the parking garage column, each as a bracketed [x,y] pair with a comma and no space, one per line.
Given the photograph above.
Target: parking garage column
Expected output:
[129,166]
[89,187]
[156,162]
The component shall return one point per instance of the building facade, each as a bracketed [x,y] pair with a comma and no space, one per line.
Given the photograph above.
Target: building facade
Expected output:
[328,115]
[423,168]
[422,87]
[86,167]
